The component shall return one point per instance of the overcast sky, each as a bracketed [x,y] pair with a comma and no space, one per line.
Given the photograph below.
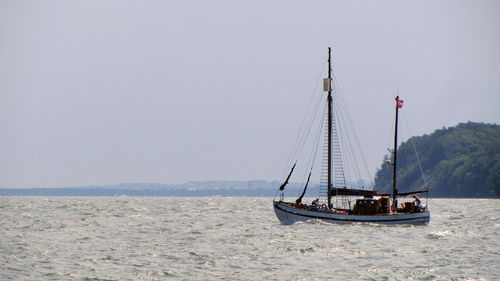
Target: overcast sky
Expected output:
[106,92]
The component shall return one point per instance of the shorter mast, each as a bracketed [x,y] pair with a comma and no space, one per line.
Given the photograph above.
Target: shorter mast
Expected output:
[395,153]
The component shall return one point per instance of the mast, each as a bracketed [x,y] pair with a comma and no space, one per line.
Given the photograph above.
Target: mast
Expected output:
[329,128]
[394,190]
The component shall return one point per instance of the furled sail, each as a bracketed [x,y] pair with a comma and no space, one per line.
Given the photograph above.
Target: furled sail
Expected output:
[287,178]
[299,200]
[412,192]
[355,192]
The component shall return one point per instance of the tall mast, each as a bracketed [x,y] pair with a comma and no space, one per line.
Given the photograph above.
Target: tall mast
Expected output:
[395,154]
[329,128]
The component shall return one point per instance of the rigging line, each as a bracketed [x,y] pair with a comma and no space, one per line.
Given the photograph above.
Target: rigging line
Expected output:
[340,135]
[355,156]
[348,151]
[323,190]
[296,143]
[312,158]
[357,142]
[344,152]
[354,132]
[309,124]
[415,149]
[347,122]
[319,135]
[306,133]
[344,144]
[301,128]
[346,159]
[352,171]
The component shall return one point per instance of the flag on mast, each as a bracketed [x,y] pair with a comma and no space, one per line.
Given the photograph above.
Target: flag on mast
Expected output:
[400,102]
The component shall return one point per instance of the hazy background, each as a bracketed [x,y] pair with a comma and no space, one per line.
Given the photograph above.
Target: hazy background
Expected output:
[104,92]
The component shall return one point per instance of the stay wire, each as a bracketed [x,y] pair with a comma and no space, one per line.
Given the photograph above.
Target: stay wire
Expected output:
[348,151]
[301,133]
[306,133]
[312,158]
[415,150]
[353,131]
[301,128]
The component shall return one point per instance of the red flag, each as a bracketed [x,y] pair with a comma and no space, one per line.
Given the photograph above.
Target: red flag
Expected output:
[400,103]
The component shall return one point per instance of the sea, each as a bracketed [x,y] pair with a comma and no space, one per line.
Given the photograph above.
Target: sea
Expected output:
[237,238]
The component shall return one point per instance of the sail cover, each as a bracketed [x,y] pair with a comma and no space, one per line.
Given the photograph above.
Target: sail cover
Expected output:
[355,192]
[412,192]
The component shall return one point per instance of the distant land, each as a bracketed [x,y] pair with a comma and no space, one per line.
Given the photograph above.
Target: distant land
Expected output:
[461,161]
[252,188]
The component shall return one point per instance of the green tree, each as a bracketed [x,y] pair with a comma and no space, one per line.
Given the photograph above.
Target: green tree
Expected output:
[460,161]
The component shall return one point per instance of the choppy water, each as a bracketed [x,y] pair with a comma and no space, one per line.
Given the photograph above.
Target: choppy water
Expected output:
[216,238]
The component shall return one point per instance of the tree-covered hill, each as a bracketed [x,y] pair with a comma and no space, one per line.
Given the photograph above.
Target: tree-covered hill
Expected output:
[460,161]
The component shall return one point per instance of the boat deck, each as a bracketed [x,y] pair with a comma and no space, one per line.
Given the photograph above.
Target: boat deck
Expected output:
[323,209]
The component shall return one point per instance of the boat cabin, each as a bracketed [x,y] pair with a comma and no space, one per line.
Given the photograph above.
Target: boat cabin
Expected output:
[365,206]
[370,206]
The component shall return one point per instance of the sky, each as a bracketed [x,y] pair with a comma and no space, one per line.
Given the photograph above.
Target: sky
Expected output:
[108,92]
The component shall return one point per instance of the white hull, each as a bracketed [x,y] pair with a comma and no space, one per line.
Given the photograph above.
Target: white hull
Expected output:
[289,215]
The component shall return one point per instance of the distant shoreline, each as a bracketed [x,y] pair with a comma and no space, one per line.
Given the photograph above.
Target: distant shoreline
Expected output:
[254,188]
[251,188]
[91,192]
[112,192]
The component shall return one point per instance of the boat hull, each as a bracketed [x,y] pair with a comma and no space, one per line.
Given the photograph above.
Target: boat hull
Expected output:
[290,215]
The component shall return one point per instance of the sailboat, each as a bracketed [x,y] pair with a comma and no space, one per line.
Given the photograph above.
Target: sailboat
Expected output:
[369,205]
